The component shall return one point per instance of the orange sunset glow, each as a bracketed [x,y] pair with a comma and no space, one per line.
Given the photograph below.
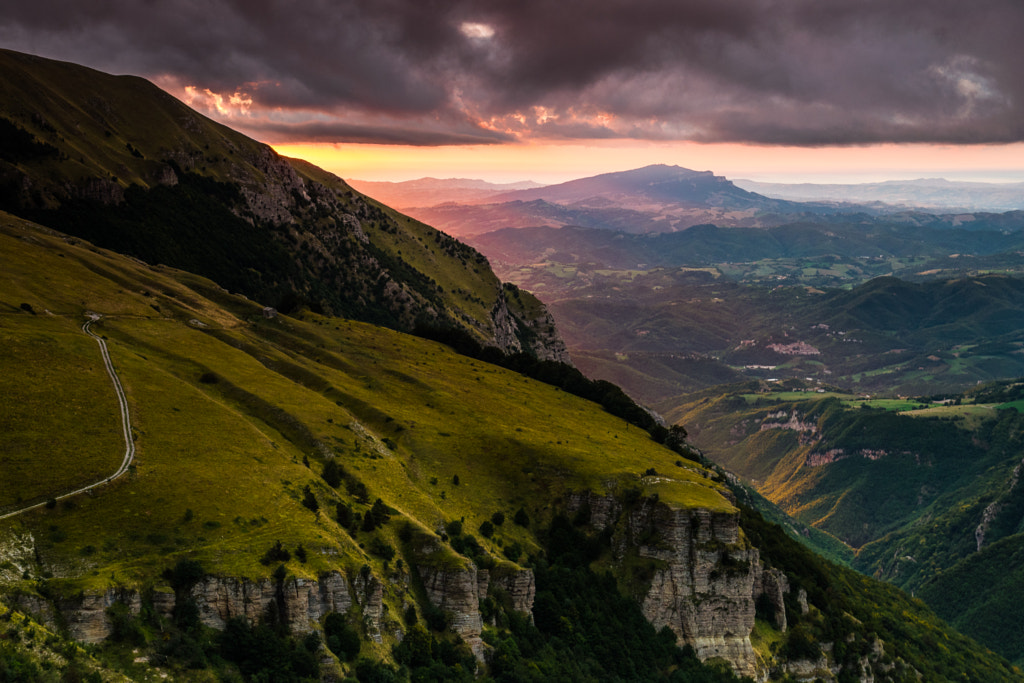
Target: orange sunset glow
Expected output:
[558,162]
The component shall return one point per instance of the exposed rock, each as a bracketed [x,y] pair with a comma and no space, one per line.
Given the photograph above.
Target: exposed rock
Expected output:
[219,599]
[770,588]
[546,344]
[504,324]
[372,594]
[40,608]
[810,670]
[101,190]
[455,589]
[521,588]
[704,589]
[87,618]
[604,511]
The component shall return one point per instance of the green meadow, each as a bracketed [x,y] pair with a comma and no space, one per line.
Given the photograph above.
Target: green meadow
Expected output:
[234,416]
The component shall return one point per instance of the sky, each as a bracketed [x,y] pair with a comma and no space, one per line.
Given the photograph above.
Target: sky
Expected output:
[549,90]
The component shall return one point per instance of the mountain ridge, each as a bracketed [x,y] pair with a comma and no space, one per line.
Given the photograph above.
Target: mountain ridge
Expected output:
[262,225]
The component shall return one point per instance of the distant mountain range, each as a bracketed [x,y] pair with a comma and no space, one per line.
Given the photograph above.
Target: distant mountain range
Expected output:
[656,198]
[662,198]
[925,193]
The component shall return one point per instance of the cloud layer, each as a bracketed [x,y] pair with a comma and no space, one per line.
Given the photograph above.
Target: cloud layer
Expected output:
[432,72]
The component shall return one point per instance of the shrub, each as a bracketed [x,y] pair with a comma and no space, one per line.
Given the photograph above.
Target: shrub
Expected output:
[487,529]
[521,518]
[382,549]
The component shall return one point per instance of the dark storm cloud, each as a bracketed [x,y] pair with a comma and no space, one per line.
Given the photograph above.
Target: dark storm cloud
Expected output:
[334,131]
[806,72]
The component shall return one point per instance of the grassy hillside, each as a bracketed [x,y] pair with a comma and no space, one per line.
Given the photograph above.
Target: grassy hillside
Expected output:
[236,414]
[217,390]
[119,162]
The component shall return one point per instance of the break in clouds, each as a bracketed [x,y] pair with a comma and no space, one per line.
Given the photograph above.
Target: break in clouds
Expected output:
[796,72]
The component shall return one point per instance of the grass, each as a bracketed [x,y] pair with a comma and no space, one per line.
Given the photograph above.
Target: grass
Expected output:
[62,381]
[227,406]
[893,404]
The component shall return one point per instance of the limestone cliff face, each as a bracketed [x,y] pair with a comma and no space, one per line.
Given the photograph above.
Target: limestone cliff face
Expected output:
[522,323]
[301,602]
[706,579]
[521,588]
[459,590]
[771,585]
[705,590]
[456,590]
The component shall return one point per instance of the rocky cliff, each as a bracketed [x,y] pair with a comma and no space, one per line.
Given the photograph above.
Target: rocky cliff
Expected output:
[302,603]
[704,579]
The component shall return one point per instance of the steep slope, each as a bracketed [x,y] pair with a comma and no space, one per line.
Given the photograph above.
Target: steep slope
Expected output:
[119,162]
[262,442]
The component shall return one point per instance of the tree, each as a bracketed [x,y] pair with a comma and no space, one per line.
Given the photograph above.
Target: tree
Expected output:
[309,500]
[341,639]
[376,516]
[343,513]
[332,473]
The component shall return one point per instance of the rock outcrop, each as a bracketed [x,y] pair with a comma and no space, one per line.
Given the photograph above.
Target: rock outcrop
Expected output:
[301,602]
[705,581]
[770,588]
[459,590]
[521,588]
[456,590]
[705,589]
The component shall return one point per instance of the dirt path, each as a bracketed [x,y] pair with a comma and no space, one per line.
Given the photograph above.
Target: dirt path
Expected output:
[126,425]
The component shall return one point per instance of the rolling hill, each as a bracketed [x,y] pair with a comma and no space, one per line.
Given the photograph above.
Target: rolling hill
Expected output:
[937,194]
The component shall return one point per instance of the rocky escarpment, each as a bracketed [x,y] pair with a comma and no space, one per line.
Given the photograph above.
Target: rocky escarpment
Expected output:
[703,579]
[521,331]
[300,602]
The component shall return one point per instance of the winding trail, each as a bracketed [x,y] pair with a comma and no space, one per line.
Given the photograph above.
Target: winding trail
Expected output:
[126,425]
